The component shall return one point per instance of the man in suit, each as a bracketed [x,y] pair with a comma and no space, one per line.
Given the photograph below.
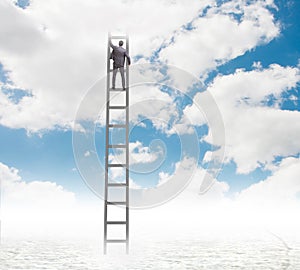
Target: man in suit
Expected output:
[118,55]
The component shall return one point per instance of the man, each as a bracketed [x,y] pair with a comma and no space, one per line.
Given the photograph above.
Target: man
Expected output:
[118,55]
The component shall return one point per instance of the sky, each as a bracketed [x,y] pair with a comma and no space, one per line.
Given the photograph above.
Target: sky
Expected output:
[241,55]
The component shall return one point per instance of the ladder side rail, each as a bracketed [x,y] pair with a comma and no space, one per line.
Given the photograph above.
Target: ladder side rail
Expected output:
[106,144]
[127,148]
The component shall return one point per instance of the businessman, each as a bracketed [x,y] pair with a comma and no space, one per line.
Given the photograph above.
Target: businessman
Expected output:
[118,55]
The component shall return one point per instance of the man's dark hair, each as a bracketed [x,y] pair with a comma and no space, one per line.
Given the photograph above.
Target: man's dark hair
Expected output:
[120,43]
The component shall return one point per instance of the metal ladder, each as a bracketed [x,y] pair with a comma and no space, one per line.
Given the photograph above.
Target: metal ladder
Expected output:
[110,166]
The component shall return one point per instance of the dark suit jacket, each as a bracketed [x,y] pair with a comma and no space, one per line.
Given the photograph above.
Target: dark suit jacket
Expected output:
[118,55]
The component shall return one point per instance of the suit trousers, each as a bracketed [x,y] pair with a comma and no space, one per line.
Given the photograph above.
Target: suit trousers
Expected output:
[115,70]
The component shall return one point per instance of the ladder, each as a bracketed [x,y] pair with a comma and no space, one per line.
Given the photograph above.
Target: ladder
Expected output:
[109,185]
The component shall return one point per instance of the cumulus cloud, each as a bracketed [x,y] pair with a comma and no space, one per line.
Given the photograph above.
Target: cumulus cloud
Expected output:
[255,132]
[34,194]
[133,184]
[57,56]
[270,204]
[193,114]
[191,192]
[151,102]
[60,56]
[138,153]
[87,153]
[163,178]
[225,32]
[141,154]
[279,189]
[44,209]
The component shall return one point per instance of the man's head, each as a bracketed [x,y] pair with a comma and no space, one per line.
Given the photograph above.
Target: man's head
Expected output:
[120,43]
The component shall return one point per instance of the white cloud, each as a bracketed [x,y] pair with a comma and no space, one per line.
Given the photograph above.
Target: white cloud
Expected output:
[34,194]
[57,56]
[271,203]
[133,185]
[218,36]
[243,86]
[142,154]
[257,65]
[181,80]
[43,209]
[278,190]
[256,133]
[193,114]
[138,154]
[163,178]
[148,102]
[191,192]
[87,153]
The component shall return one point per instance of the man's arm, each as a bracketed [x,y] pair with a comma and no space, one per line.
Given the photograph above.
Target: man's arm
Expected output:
[128,58]
[112,45]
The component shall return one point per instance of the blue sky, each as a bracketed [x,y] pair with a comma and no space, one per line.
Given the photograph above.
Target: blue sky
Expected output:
[45,153]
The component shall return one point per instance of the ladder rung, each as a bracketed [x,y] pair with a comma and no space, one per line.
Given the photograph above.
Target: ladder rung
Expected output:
[116,184]
[117,146]
[116,165]
[117,107]
[116,222]
[115,241]
[118,37]
[117,89]
[116,202]
[116,126]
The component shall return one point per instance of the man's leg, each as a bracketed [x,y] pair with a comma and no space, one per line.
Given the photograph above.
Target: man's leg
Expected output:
[123,76]
[115,70]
